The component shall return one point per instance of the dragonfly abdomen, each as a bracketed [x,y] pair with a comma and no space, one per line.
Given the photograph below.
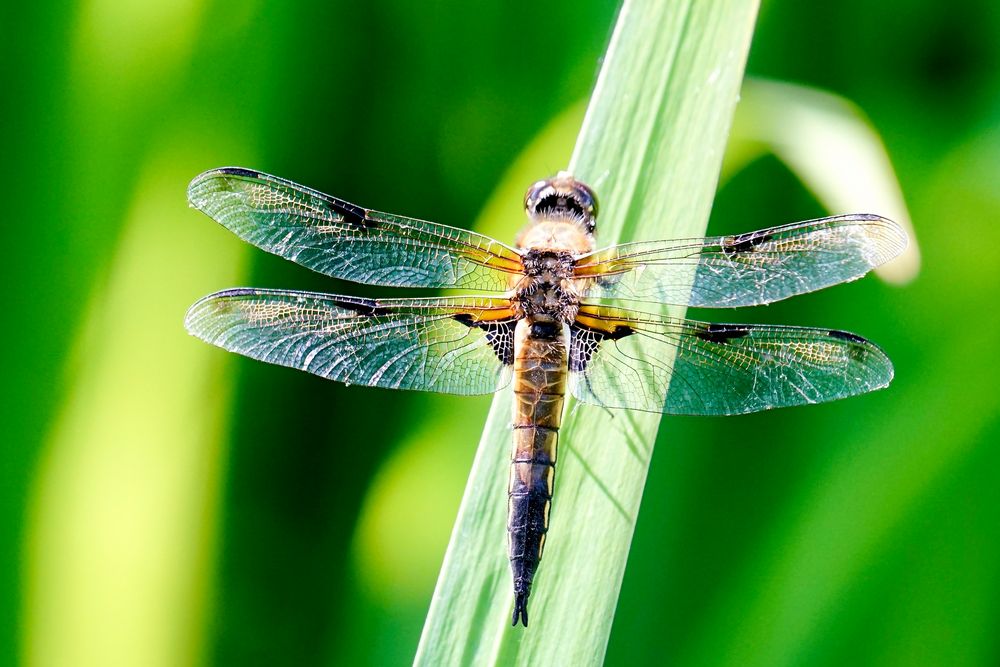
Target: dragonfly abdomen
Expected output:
[540,368]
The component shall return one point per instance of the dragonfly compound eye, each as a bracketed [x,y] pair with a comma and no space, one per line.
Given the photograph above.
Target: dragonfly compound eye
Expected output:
[562,196]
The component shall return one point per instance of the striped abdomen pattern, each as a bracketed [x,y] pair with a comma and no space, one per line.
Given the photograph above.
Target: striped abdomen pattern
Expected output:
[540,370]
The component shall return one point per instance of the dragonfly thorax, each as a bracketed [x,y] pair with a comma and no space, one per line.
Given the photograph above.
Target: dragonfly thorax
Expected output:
[546,292]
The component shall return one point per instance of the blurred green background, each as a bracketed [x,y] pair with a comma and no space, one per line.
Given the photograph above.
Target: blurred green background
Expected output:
[165,503]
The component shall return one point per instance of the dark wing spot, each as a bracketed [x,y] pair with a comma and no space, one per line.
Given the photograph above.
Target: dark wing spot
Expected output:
[499,334]
[585,341]
[240,291]
[240,171]
[723,333]
[361,306]
[860,348]
[848,336]
[744,242]
[620,332]
[352,213]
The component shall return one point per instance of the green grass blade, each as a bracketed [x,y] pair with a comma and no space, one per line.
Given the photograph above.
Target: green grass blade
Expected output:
[651,145]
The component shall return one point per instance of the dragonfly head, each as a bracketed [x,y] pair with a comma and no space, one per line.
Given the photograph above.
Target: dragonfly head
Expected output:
[562,197]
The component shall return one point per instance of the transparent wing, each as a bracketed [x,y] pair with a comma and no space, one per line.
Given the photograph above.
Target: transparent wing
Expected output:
[458,345]
[744,270]
[630,359]
[346,241]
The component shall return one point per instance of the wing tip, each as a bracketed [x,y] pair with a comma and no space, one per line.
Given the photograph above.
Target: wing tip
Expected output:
[211,304]
[193,316]
[871,356]
[195,189]
[888,370]
[889,237]
[896,237]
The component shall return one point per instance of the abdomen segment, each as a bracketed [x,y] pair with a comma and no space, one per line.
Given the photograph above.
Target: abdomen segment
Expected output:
[540,370]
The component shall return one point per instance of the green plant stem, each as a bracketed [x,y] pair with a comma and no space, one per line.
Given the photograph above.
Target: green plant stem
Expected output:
[651,145]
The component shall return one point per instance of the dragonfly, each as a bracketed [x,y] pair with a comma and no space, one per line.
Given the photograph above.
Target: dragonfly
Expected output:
[551,314]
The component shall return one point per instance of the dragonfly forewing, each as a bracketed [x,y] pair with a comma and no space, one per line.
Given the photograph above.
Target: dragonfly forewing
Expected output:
[345,241]
[747,269]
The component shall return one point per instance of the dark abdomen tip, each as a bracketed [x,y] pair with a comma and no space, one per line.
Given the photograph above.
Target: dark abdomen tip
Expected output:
[520,609]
